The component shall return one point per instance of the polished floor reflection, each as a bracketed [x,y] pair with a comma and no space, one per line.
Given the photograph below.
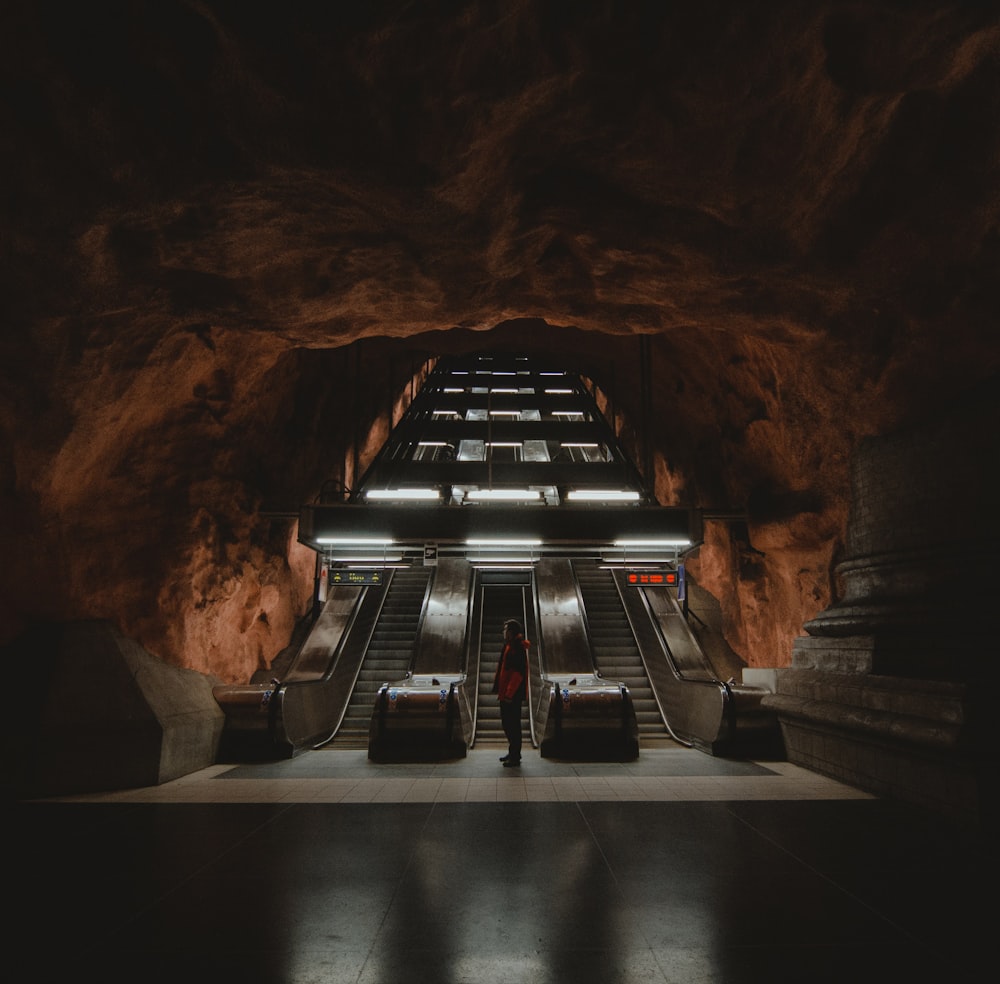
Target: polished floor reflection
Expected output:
[676,868]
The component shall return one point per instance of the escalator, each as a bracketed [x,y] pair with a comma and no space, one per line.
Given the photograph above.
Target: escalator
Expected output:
[389,653]
[363,637]
[499,602]
[613,645]
[639,636]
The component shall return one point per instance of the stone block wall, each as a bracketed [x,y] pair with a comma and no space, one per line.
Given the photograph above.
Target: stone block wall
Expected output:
[886,691]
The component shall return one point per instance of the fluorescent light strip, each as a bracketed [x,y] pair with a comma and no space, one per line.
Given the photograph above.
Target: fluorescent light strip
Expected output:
[558,392]
[365,559]
[652,543]
[503,543]
[403,494]
[509,495]
[578,444]
[498,564]
[361,541]
[481,561]
[602,495]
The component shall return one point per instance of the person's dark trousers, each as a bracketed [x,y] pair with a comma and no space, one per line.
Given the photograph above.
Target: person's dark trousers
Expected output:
[510,718]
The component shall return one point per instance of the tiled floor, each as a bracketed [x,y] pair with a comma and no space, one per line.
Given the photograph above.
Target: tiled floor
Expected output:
[678,867]
[669,773]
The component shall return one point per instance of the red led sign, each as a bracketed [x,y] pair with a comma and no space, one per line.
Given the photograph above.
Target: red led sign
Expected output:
[654,579]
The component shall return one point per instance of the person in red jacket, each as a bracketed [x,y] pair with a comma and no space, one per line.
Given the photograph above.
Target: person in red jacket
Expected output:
[511,687]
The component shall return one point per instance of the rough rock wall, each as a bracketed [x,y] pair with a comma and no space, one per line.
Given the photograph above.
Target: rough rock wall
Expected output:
[210,205]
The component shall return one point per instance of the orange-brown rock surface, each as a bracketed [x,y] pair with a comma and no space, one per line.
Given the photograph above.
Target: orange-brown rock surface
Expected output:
[234,232]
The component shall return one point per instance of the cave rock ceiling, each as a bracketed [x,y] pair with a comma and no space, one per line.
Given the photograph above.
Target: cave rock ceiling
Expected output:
[221,218]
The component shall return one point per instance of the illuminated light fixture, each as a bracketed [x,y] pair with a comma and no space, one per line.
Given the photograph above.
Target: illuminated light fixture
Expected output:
[512,563]
[504,444]
[445,413]
[366,559]
[567,413]
[505,413]
[505,562]
[578,444]
[452,389]
[431,444]
[559,392]
[652,543]
[403,494]
[503,495]
[359,563]
[503,543]
[355,541]
[603,495]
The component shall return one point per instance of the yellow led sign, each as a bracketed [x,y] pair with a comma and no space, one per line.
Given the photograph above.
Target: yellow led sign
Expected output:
[356,577]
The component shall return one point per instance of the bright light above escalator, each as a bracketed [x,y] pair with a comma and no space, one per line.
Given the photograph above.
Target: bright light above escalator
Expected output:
[602,495]
[395,494]
[503,495]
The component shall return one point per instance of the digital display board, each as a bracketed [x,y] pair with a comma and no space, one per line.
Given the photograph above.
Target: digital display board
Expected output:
[652,579]
[373,576]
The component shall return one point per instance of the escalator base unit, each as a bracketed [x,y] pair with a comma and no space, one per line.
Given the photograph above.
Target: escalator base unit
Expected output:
[248,729]
[590,699]
[246,707]
[416,720]
[590,719]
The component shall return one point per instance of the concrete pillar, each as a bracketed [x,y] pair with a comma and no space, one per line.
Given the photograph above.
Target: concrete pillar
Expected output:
[887,690]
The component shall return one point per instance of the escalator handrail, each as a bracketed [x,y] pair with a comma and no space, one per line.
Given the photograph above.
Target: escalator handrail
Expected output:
[473,657]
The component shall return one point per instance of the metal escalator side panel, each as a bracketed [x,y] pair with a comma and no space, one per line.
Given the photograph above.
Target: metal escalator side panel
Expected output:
[311,712]
[539,688]
[747,727]
[560,619]
[317,656]
[441,644]
[695,706]
[686,654]
[587,717]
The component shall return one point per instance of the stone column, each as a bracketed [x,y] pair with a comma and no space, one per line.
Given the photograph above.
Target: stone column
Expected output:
[887,690]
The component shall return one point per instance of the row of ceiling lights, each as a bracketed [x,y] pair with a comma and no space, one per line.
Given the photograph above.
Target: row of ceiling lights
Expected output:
[502,495]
